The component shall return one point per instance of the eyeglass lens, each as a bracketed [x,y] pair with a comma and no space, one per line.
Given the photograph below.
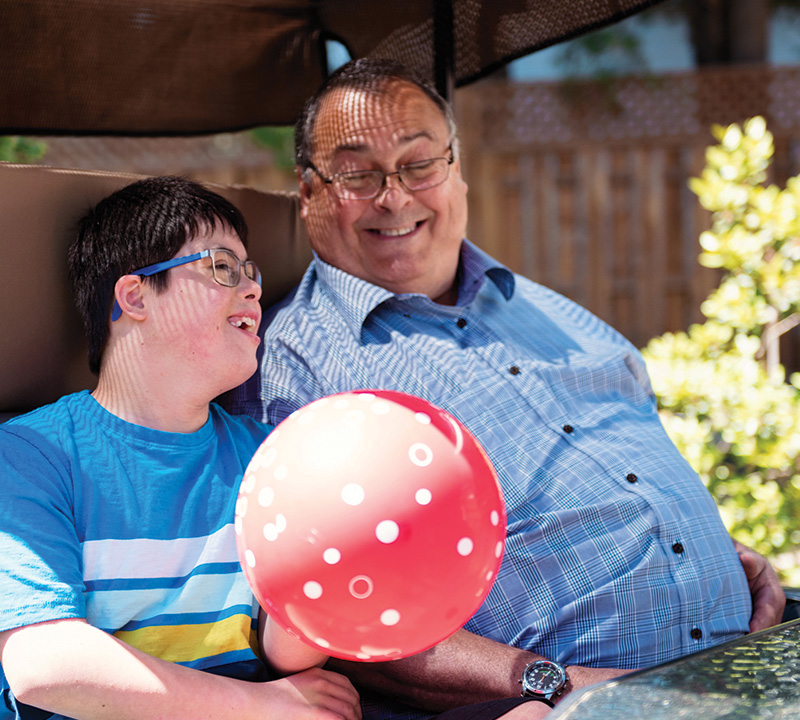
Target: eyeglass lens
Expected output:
[225,267]
[415,176]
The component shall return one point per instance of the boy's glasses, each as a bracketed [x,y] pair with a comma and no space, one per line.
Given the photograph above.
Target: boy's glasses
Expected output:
[226,270]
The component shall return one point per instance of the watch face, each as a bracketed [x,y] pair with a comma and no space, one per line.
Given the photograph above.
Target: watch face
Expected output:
[544,678]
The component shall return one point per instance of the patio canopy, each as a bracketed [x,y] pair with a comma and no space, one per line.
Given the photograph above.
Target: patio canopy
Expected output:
[165,67]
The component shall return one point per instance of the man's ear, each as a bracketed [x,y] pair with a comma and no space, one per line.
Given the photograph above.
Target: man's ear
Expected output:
[305,191]
[129,293]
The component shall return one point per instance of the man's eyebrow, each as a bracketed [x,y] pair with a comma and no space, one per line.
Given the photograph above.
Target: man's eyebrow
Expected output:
[361,147]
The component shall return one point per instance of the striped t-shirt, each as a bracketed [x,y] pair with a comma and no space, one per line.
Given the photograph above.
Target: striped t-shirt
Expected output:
[130,528]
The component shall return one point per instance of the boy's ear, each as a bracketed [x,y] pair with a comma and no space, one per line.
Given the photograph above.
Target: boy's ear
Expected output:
[129,293]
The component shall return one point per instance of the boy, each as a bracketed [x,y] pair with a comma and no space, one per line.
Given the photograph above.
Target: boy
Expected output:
[119,579]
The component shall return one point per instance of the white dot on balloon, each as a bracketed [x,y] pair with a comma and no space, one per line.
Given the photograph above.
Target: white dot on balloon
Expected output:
[250,558]
[353,494]
[387,531]
[241,505]
[495,517]
[420,454]
[280,522]
[341,403]
[271,438]
[281,472]
[322,642]
[238,525]
[489,575]
[498,551]
[465,546]
[423,496]
[381,407]
[362,656]
[422,418]
[306,418]
[366,397]
[270,532]
[312,590]
[249,482]
[268,457]
[390,617]
[331,556]
[353,417]
[265,496]
[361,587]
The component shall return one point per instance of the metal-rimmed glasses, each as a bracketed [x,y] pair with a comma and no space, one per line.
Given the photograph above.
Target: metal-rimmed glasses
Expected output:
[226,269]
[367,184]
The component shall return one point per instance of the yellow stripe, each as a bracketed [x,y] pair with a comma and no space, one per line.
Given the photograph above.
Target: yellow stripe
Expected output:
[185,643]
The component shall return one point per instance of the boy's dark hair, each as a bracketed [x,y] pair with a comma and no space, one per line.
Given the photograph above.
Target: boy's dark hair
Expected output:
[371,75]
[144,223]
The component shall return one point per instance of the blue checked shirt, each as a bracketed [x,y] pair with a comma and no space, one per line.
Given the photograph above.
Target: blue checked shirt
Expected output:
[616,555]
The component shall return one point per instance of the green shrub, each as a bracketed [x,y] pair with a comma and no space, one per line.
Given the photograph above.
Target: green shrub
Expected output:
[723,394]
[20,150]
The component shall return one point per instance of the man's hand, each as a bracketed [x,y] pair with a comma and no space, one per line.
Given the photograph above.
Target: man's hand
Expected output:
[323,694]
[765,588]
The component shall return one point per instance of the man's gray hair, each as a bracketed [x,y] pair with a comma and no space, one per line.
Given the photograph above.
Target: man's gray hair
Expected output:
[371,75]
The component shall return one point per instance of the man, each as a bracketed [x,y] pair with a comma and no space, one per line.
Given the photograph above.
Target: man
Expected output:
[121,594]
[616,556]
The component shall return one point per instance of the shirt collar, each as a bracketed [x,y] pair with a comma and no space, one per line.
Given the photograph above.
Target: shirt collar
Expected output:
[357,298]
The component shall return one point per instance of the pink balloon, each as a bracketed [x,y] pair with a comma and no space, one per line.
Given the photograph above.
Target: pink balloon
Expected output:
[370,524]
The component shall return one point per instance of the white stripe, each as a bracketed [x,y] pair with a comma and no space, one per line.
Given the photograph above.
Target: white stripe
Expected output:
[203,593]
[145,558]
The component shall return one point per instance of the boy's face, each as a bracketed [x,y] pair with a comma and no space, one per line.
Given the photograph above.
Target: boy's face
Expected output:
[208,329]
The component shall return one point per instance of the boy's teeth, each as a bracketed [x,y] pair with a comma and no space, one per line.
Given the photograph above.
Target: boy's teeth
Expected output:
[249,322]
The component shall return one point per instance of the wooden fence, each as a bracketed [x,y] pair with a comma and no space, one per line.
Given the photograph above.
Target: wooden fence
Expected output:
[583,186]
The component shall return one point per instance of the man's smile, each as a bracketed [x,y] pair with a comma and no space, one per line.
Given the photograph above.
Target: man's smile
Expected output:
[397,231]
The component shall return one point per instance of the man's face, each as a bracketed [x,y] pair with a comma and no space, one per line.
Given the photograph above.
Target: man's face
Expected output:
[209,329]
[402,241]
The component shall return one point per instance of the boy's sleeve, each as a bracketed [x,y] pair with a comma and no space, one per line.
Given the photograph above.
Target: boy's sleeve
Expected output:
[40,553]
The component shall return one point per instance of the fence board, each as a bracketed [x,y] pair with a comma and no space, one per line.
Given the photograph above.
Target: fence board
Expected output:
[585,189]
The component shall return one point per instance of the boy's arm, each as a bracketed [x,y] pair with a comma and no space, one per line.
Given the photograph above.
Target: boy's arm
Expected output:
[74,669]
[284,653]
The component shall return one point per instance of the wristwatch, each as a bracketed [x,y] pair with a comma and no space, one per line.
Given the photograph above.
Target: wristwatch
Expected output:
[544,680]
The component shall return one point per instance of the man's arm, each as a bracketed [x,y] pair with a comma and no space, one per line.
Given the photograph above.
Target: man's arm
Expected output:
[72,668]
[769,599]
[463,669]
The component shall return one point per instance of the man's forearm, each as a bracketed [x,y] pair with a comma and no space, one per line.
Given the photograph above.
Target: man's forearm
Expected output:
[463,669]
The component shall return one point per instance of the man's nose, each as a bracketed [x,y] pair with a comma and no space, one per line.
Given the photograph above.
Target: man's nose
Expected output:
[393,191]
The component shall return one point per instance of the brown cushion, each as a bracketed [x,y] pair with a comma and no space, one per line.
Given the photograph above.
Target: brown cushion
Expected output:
[42,348]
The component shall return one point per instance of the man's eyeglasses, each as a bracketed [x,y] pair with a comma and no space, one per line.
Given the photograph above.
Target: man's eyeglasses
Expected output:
[226,270]
[367,184]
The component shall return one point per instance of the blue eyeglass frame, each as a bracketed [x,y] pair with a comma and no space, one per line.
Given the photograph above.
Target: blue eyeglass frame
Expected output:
[116,312]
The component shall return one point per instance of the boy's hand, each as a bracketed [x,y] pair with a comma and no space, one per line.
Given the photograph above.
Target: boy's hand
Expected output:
[319,695]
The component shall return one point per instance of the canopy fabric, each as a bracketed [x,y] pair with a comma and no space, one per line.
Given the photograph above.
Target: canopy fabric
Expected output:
[162,67]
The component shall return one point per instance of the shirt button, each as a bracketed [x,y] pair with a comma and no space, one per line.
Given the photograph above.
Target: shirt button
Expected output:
[514,370]
[696,633]
[631,478]
[461,322]
[568,429]
[677,548]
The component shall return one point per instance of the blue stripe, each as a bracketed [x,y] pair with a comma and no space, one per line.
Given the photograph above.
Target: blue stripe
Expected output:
[227,568]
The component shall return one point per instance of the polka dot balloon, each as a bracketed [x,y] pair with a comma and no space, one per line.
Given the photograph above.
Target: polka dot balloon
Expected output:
[370,524]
